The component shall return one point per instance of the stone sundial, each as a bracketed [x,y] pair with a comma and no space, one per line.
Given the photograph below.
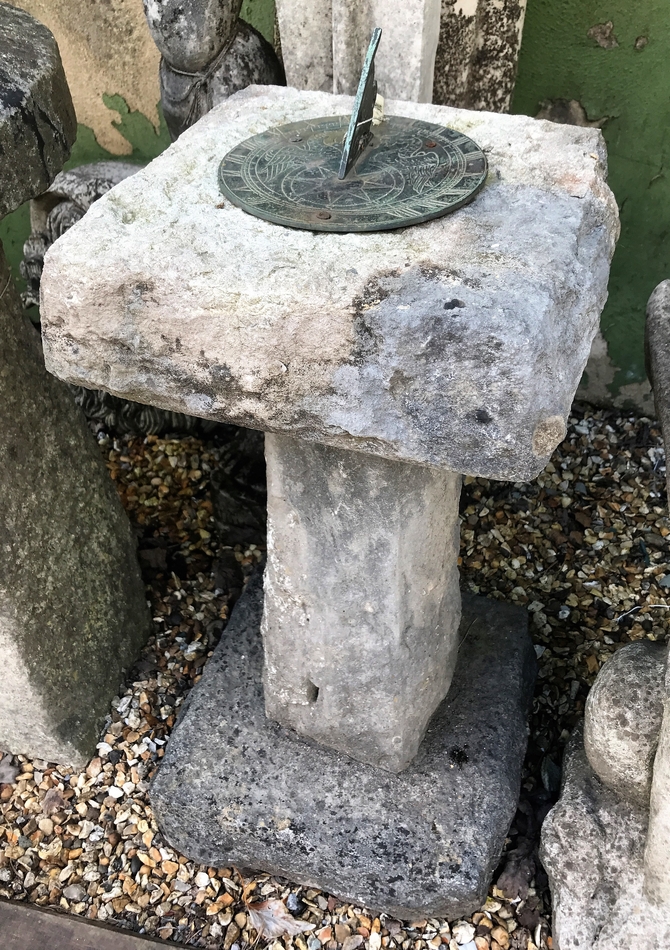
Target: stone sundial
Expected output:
[342,173]
[330,746]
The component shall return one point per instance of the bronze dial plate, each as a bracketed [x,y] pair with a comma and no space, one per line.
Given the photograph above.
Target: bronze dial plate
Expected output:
[410,172]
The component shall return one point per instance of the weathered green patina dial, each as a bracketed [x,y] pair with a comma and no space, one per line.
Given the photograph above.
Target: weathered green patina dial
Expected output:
[344,173]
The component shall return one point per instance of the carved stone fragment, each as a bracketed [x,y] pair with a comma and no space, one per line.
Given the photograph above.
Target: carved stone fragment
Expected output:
[208,54]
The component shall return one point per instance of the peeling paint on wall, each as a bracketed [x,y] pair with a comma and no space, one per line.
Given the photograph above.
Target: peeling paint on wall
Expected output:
[111,64]
[143,142]
[596,384]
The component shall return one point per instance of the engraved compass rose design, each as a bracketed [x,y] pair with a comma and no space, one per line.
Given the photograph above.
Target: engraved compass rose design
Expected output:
[344,174]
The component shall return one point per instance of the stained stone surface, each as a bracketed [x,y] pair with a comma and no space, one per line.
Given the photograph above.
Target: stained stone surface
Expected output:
[37,120]
[458,343]
[622,719]
[478,52]
[359,659]
[73,612]
[67,199]
[592,849]
[306,31]
[236,788]
[324,43]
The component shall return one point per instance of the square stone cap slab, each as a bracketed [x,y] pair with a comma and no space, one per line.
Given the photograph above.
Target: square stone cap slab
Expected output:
[458,343]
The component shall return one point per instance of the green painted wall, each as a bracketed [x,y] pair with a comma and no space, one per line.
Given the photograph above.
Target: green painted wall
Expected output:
[261,15]
[629,85]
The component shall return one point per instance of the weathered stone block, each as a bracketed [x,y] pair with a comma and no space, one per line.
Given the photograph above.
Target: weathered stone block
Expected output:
[622,719]
[458,343]
[37,121]
[306,31]
[324,43]
[73,612]
[235,787]
[593,850]
[478,52]
[362,603]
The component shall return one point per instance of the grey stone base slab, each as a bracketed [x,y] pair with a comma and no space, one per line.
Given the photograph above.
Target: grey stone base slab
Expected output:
[237,788]
[593,851]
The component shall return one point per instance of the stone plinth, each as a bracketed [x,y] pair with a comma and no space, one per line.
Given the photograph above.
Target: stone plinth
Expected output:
[362,605]
[458,343]
[236,788]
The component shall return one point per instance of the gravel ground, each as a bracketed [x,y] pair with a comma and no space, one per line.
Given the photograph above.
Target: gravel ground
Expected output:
[584,548]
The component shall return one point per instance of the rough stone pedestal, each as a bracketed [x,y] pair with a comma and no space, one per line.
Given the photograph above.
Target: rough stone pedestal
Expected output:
[362,603]
[456,345]
[236,788]
[73,612]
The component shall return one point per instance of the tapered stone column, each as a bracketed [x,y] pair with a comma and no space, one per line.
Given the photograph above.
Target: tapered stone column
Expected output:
[362,603]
